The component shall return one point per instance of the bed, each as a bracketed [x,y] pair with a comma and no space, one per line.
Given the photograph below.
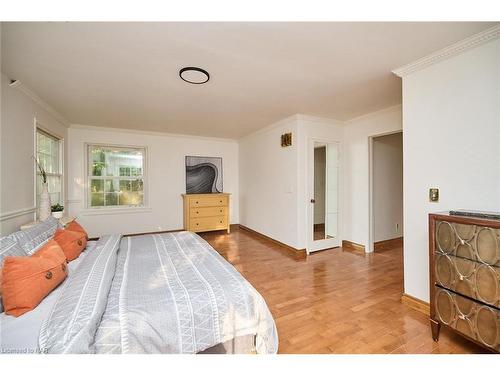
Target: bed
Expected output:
[161,293]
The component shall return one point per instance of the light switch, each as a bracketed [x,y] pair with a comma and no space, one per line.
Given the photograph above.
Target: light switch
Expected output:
[433,195]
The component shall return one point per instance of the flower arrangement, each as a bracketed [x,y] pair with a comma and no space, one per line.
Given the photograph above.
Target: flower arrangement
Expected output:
[42,171]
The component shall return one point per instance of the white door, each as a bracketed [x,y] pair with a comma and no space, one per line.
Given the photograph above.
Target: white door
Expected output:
[323,221]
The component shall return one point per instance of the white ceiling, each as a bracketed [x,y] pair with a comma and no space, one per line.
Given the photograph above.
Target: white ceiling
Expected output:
[125,75]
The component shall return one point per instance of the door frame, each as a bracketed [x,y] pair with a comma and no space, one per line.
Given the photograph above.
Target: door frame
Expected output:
[312,245]
[371,218]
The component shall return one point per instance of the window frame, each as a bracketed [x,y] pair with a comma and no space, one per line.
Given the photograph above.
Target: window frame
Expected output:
[88,179]
[39,128]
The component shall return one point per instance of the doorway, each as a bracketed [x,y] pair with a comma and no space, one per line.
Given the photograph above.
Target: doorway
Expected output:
[386,191]
[324,223]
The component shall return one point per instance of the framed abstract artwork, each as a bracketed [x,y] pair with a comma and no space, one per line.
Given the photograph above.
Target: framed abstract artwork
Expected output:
[203,175]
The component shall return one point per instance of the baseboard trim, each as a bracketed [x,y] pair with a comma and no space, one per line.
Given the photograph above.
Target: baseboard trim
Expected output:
[388,244]
[270,239]
[349,245]
[416,304]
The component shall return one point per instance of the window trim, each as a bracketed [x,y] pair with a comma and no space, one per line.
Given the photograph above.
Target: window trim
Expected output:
[43,129]
[121,208]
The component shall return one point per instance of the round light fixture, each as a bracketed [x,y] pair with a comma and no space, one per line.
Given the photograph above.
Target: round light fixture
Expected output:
[194,75]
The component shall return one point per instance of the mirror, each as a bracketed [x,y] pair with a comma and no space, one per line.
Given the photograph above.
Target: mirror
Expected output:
[325,200]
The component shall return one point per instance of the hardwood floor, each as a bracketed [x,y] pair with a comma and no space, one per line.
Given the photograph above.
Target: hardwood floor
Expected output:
[334,301]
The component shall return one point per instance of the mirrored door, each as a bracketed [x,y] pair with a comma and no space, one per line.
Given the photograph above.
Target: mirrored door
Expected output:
[324,192]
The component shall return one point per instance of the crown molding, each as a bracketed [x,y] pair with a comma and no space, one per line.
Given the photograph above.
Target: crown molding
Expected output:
[287,121]
[42,103]
[324,120]
[149,132]
[450,51]
[380,112]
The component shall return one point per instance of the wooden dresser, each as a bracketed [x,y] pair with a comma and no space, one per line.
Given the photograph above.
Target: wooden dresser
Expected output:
[464,254]
[206,212]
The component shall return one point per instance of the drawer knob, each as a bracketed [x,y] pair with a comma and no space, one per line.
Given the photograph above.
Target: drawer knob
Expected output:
[197,223]
[196,202]
[220,201]
[220,210]
[197,212]
[221,221]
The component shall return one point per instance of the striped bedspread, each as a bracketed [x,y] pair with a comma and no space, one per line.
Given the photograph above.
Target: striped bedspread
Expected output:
[165,293]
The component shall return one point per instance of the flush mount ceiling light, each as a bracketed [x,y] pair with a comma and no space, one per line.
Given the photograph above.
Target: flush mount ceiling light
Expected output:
[194,75]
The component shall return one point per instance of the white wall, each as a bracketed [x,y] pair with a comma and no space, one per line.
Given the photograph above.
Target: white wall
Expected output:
[17,146]
[268,182]
[451,113]
[388,187]
[357,133]
[274,185]
[165,178]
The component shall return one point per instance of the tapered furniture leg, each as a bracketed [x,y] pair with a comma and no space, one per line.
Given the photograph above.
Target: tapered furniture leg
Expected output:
[435,326]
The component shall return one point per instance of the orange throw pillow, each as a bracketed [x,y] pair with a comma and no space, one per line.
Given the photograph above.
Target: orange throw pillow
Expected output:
[26,281]
[75,227]
[72,243]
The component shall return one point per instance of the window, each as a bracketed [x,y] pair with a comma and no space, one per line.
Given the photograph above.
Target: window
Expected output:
[116,176]
[48,153]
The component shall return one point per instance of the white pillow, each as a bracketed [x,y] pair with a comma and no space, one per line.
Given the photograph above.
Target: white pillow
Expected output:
[33,238]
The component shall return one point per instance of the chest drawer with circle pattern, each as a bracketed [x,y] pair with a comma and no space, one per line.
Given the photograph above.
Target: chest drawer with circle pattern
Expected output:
[464,266]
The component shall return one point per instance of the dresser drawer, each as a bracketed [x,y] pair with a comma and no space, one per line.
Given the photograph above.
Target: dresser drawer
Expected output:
[207,211]
[470,278]
[208,201]
[208,223]
[470,241]
[472,319]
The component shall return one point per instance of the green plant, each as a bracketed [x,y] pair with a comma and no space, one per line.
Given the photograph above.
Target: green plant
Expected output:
[42,171]
[57,208]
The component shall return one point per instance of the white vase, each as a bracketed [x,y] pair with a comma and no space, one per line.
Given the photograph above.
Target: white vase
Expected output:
[57,214]
[44,210]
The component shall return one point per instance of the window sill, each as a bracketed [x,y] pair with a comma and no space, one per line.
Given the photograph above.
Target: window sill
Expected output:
[115,211]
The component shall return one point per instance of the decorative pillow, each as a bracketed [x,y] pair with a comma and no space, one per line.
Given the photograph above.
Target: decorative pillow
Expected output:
[8,248]
[75,227]
[72,243]
[26,281]
[33,238]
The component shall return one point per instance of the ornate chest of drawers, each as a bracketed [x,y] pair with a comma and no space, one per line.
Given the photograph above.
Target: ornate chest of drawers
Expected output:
[464,255]
[206,212]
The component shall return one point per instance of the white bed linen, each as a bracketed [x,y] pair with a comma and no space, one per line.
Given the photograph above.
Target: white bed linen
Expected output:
[20,335]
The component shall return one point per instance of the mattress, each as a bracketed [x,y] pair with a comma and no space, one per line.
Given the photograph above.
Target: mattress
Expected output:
[20,335]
